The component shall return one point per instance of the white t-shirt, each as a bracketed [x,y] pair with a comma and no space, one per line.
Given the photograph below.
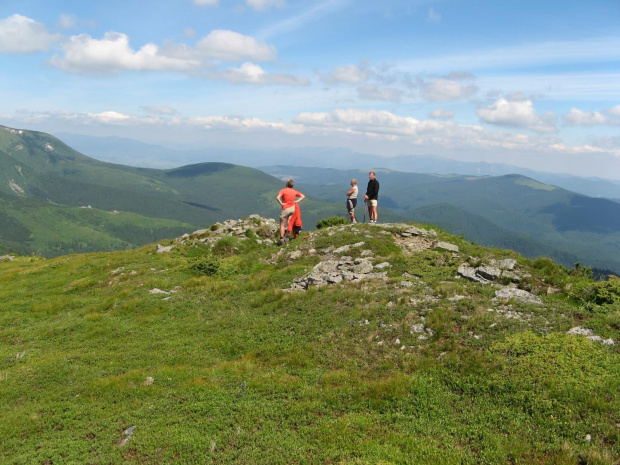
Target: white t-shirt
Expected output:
[354,193]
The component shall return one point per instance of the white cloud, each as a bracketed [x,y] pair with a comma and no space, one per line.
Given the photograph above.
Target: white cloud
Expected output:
[614,111]
[112,54]
[578,117]
[440,113]
[109,117]
[348,74]
[370,92]
[231,46]
[83,54]
[517,114]
[433,16]
[262,5]
[20,34]
[441,90]
[250,73]
[206,2]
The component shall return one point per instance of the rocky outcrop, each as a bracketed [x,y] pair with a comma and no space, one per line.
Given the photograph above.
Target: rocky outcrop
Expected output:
[337,271]
[255,227]
[495,270]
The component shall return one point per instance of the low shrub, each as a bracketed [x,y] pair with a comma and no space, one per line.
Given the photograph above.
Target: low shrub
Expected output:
[332,221]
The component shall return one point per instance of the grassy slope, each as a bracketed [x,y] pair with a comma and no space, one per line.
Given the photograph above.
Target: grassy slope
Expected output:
[29,226]
[230,369]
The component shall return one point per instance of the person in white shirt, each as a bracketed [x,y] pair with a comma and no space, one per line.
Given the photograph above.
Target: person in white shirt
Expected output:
[352,200]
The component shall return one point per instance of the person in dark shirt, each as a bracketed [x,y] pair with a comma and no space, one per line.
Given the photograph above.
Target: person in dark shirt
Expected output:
[372,197]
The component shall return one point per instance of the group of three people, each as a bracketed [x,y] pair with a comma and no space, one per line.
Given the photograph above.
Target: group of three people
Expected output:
[289,199]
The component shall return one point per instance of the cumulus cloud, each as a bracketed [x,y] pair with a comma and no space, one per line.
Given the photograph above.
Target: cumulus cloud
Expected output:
[578,117]
[348,74]
[443,90]
[250,73]
[262,5]
[112,54]
[517,114]
[387,94]
[20,34]
[206,2]
[231,46]
[83,54]
[614,111]
[440,113]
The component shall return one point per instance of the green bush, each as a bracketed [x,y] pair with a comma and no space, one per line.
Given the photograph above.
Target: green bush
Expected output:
[205,265]
[332,221]
[599,293]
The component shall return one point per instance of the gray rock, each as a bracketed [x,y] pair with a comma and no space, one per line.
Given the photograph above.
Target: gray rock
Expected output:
[295,254]
[380,266]
[490,273]
[519,295]
[163,249]
[447,246]
[581,331]
[468,272]
[507,264]
[514,277]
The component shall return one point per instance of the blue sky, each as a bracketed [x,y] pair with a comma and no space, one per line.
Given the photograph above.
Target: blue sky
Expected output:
[533,84]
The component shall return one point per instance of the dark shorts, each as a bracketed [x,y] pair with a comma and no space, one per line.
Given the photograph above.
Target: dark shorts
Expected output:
[351,204]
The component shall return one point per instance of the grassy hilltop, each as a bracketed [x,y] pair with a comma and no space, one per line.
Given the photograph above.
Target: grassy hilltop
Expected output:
[205,354]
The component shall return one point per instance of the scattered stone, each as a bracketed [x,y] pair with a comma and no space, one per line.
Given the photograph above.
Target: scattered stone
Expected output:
[149,381]
[447,246]
[581,331]
[295,254]
[164,249]
[159,291]
[380,266]
[7,257]
[508,293]
[417,328]
[589,333]
[489,272]
[128,433]
[506,264]
[468,272]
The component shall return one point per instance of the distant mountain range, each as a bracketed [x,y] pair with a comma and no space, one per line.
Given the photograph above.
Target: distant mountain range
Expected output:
[55,200]
[135,153]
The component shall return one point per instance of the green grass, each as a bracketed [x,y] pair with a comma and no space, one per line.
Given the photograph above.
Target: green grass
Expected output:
[231,369]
